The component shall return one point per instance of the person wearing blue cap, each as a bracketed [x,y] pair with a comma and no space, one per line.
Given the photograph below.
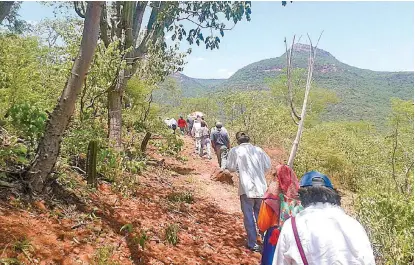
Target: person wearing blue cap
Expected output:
[322,233]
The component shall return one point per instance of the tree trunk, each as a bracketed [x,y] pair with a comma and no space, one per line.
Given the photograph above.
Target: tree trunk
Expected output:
[49,146]
[145,142]
[91,165]
[131,19]
[115,95]
[5,8]
[296,142]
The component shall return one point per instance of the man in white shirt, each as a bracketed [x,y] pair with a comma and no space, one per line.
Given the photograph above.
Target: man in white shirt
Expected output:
[326,235]
[252,163]
[173,124]
[196,133]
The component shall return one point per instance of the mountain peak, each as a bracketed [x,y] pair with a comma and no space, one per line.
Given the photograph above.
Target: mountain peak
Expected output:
[305,48]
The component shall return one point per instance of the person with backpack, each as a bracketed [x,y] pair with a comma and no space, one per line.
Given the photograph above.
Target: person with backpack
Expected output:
[252,163]
[280,202]
[182,125]
[322,234]
[189,121]
[221,144]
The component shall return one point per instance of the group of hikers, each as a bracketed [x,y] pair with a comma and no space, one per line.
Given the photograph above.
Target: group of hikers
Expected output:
[217,137]
[289,221]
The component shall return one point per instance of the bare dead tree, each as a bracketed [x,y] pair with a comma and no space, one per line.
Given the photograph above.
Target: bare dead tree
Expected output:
[311,60]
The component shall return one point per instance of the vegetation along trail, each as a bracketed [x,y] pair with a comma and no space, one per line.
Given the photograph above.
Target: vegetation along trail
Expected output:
[177,203]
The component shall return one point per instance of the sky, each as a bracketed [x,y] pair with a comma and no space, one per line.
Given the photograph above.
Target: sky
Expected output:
[371,35]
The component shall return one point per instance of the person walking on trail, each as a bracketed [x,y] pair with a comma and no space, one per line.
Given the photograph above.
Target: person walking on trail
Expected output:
[205,142]
[214,129]
[196,133]
[280,203]
[189,121]
[182,125]
[221,144]
[173,125]
[322,234]
[252,163]
[203,119]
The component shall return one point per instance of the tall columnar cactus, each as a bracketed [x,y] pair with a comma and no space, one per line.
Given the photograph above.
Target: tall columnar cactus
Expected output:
[91,164]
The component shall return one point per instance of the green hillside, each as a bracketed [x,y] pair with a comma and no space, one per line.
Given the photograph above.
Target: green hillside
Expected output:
[363,94]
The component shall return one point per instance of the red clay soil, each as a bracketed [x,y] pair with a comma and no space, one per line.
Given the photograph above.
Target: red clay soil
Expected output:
[210,229]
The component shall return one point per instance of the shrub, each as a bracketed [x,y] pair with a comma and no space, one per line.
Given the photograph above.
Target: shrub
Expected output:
[388,219]
[103,256]
[171,234]
[186,197]
[29,121]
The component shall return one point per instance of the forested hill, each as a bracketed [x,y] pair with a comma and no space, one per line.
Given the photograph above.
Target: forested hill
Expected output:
[363,94]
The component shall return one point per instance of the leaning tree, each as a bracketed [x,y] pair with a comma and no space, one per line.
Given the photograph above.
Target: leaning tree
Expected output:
[49,146]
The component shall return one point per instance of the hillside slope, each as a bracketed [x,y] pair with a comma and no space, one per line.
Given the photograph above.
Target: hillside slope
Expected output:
[363,94]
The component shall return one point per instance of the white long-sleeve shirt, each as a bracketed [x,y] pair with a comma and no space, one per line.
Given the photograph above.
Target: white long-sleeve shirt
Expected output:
[252,163]
[328,236]
[196,129]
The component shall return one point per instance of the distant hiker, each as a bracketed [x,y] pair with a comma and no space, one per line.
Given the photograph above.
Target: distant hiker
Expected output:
[205,141]
[221,144]
[252,163]
[322,234]
[280,203]
[214,129]
[203,119]
[182,125]
[189,121]
[196,133]
[167,122]
[173,125]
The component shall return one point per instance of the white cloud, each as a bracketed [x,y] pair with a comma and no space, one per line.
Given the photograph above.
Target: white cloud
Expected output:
[200,58]
[230,73]
[223,70]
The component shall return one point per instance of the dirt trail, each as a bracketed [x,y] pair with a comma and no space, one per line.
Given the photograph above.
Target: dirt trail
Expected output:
[88,228]
[89,225]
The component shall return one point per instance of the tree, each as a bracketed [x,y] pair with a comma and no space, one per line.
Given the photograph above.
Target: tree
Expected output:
[49,146]
[401,121]
[8,13]
[311,61]
[5,8]
[121,22]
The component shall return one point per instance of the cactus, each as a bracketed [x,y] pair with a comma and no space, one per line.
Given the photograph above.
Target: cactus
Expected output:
[91,164]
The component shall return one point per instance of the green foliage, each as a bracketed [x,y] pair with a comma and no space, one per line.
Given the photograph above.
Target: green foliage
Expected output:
[9,261]
[28,120]
[128,228]
[204,15]
[103,256]
[171,234]
[141,239]
[22,245]
[345,151]
[12,152]
[389,220]
[186,197]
